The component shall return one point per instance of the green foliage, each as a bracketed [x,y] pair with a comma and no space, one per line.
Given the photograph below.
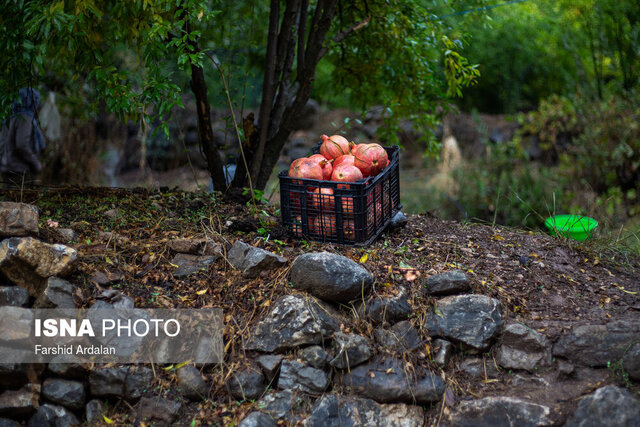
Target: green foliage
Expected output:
[121,53]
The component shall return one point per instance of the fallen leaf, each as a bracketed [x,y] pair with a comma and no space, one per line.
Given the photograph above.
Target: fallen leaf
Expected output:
[364,258]
[202,292]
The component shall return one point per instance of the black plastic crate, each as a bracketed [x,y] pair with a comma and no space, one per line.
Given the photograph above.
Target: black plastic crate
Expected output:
[325,211]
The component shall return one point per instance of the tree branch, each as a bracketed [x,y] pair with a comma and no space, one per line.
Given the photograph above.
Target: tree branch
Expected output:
[302,32]
[346,33]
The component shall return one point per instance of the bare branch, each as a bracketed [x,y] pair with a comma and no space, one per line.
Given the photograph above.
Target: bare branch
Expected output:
[344,34]
[302,33]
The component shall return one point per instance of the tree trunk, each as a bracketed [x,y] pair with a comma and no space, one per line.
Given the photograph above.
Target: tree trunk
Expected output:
[205,131]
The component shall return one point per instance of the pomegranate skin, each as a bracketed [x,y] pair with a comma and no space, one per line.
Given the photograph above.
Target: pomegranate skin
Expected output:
[346,173]
[347,159]
[327,167]
[322,197]
[334,146]
[371,159]
[305,168]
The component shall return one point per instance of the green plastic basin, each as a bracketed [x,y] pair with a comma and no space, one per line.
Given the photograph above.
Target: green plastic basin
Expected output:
[576,227]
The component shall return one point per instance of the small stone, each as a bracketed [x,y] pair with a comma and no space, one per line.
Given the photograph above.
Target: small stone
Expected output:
[474,320]
[15,324]
[14,296]
[190,264]
[294,321]
[597,345]
[297,376]
[330,277]
[53,415]
[565,368]
[631,362]
[106,278]
[378,309]
[607,406]
[67,393]
[18,220]
[247,383]
[315,356]
[157,411]
[58,293]
[20,403]
[28,262]
[94,411]
[389,381]
[443,350]
[450,282]
[191,384]
[112,213]
[350,350]
[401,337]
[523,348]
[399,220]
[195,246]
[270,365]
[252,261]
[124,382]
[287,405]
[67,234]
[500,411]
[478,368]
[257,419]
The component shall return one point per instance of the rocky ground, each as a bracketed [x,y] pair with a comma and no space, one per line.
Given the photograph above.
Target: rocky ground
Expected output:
[435,323]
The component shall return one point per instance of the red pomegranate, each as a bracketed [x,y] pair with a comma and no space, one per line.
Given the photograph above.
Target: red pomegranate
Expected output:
[334,146]
[348,229]
[322,198]
[347,159]
[323,225]
[305,168]
[371,159]
[327,168]
[346,173]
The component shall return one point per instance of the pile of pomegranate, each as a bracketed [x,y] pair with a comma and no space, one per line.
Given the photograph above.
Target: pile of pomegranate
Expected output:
[340,161]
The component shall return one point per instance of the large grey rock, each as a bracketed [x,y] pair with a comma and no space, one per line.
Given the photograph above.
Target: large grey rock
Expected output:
[191,384]
[350,350]
[380,309]
[298,376]
[500,411]
[595,345]
[14,296]
[69,394]
[72,367]
[401,337]
[94,411]
[631,362]
[390,381]
[6,422]
[28,262]
[57,293]
[293,321]
[607,406]
[399,220]
[523,348]
[124,382]
[270,365]
[347,411]
[252,260]
[246,383]
[53,416]
[286,405]
[14,375]
[447,283]
[18,220]
[20,403]
[15,324]
[315,356]
[257,419]
[330,277]
[157,411]
[190,264]
[474,320]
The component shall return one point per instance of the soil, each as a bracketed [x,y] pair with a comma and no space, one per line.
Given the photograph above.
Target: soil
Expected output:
[544,282]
